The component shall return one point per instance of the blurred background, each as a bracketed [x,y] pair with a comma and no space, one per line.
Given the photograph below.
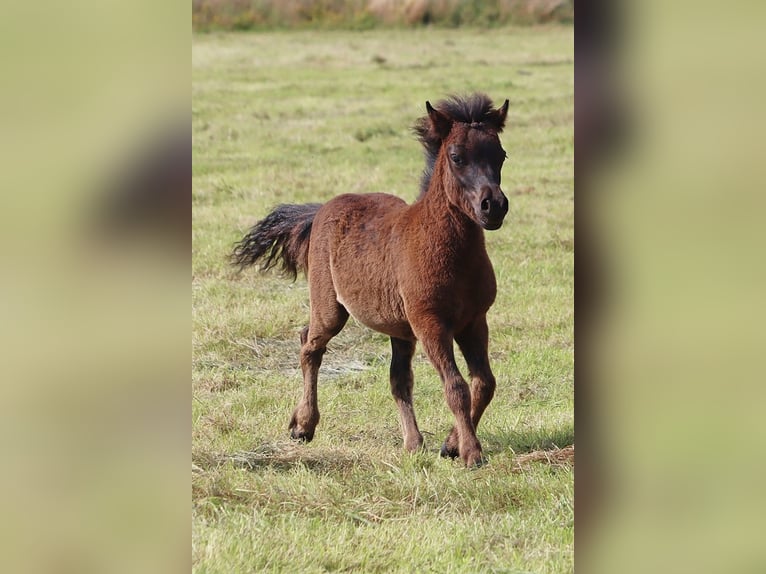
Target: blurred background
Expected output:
[670,280]
[94,296]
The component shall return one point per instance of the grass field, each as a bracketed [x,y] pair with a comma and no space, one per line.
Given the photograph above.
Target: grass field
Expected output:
[300,117]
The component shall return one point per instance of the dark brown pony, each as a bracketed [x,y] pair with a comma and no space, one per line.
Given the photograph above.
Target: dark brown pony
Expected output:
[415,272]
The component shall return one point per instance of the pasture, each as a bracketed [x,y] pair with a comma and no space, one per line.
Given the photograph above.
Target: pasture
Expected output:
[297,117]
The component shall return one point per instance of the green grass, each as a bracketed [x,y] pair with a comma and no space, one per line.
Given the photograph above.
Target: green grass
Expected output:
[303,116]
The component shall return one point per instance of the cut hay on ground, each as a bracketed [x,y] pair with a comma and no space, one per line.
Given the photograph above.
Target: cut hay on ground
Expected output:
[560,457]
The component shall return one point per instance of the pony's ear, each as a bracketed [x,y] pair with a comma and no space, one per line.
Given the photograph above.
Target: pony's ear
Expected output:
[499,116]
[440,123]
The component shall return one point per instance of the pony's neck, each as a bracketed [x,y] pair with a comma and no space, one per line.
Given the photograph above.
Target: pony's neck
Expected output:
[442,200]
[428,172]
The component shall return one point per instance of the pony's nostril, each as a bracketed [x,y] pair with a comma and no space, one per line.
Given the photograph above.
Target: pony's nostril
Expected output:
[485,205]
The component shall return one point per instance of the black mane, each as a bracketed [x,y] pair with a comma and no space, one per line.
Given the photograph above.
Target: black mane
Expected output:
[476,108]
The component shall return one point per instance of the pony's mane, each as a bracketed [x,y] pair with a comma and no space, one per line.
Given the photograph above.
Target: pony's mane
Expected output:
[476,108]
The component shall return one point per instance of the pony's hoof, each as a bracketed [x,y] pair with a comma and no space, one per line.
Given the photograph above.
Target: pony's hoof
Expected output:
[414,444]
[447,452]
[302,436]
[477,462]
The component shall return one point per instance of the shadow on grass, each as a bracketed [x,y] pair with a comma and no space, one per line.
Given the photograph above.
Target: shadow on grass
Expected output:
[528,440]
[552,446]
[289,455]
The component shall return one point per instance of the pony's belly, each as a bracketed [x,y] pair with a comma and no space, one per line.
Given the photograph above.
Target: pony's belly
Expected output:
[388,321]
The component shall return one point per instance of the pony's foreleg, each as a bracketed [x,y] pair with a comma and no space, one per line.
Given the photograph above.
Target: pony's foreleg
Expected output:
[401,388]
[323,326]
[473,342]
[438,347]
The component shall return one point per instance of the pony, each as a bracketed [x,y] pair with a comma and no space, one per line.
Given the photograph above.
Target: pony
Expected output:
[417,272]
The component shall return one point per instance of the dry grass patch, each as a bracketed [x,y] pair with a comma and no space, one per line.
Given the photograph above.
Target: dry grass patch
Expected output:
[560,457]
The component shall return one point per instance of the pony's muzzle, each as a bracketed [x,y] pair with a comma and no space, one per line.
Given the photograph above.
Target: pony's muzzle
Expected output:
[494,206]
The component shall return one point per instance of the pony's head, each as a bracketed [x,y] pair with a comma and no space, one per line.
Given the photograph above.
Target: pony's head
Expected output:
[462,144]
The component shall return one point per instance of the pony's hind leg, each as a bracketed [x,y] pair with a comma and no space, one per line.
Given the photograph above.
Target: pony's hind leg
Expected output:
[326,322]
[473,342]
[401,388]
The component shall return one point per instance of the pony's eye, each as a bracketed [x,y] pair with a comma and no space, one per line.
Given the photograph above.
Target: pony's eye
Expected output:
[456,159]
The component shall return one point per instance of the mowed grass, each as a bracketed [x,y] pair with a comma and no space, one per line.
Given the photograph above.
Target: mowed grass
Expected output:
[300,117]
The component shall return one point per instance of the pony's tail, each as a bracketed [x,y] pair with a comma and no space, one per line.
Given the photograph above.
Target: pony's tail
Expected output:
[281,237]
